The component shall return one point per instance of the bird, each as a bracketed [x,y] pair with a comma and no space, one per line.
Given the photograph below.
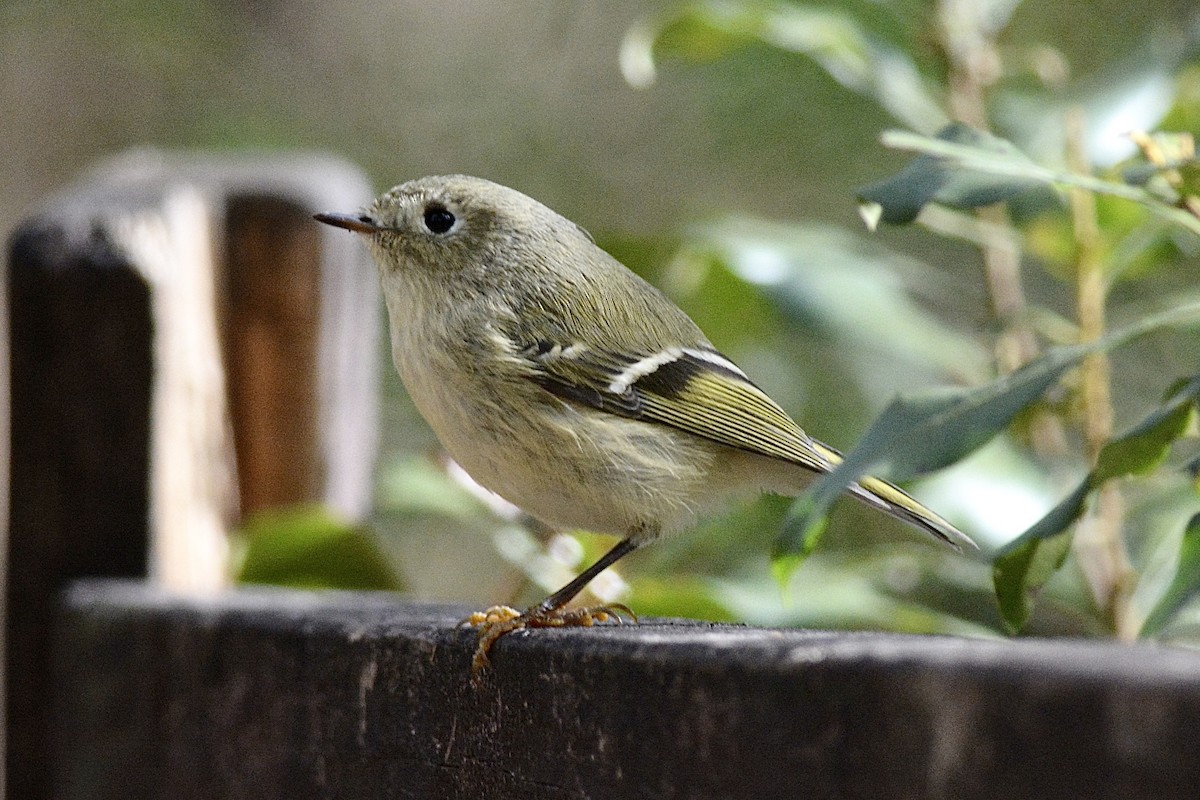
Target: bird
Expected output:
[573,388]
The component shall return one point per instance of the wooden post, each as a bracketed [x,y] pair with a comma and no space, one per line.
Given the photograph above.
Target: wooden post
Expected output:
[186,345]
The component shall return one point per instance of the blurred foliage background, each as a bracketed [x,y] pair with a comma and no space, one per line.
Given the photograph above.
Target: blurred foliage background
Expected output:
[721,159]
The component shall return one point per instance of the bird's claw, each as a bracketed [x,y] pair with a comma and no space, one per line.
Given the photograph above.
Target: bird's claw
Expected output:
[497,621]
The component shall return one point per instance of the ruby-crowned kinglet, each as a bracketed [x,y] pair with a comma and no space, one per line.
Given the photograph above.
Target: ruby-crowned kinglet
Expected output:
[571,387]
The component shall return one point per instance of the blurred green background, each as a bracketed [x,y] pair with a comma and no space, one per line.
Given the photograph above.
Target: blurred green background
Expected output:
[729,181]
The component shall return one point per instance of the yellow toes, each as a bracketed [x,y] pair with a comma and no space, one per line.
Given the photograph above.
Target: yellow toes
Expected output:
[491,616]
[497,621]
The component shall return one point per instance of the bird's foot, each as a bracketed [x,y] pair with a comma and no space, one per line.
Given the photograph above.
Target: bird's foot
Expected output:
[496,621]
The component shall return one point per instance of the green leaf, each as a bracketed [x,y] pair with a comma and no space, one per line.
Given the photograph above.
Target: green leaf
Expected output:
[1185,585]
[1135,452]
[917,435]
[307,546]
[783,565]
[1024,565]
[803,528]
[1016,169]
[1145,446]
[835,40]
[899,199]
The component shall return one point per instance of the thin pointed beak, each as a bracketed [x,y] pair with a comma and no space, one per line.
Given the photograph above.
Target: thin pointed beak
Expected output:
[359,223]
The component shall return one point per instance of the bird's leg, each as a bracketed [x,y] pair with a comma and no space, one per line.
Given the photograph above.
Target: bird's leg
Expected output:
[551,612]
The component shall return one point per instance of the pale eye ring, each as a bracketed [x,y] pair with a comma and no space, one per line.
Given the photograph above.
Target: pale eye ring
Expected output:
[438,218]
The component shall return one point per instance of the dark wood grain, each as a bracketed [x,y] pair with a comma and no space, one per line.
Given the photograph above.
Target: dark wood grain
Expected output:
[279,694]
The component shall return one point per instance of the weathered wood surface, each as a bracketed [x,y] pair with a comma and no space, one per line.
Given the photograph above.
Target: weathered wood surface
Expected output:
[274,694]
[186,345]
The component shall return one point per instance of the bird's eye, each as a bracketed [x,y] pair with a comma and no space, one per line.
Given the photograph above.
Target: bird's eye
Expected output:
[438,219]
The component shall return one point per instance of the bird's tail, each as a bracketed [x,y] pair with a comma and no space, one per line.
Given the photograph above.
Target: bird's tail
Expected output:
[895,501]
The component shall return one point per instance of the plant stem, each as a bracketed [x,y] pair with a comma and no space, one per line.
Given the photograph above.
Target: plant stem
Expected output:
[1099,546]
[974,65]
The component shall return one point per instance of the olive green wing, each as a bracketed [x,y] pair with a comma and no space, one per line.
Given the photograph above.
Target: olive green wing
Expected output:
[692,389]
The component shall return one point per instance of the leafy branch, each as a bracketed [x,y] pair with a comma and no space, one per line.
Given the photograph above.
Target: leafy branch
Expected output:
[1089,228]
[1005,172]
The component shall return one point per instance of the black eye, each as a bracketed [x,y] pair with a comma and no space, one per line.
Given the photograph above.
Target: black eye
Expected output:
[438,219]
